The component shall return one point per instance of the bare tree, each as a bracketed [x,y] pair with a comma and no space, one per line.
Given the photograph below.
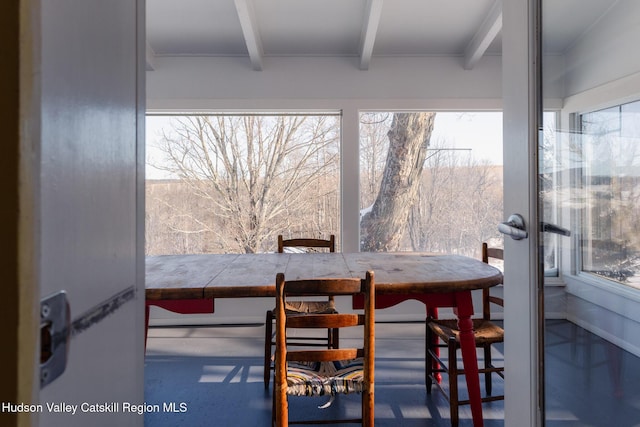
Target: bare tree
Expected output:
[250,171]
[374,145]
[170,227]
[458,206]
[458,200]
[383,226]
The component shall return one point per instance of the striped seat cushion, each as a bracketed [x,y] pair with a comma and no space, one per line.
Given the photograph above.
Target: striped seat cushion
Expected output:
[325,378]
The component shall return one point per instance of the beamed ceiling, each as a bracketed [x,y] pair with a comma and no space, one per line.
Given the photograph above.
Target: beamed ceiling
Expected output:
[365,29]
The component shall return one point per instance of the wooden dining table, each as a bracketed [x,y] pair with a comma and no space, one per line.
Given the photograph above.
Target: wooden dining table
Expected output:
[191,284]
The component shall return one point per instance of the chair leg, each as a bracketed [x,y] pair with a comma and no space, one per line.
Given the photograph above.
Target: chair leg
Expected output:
[146,325]
[268,327]
[335,338]
[487,364]
[432,313]
[453,381]
[280,410]
[367,409]
[428,359]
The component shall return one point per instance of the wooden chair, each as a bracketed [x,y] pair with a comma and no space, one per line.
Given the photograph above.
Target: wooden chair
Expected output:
[328,306]
[486,334]
[306,243]
[324,372]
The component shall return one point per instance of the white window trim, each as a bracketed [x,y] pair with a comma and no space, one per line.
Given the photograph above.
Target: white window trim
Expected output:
[350,138]
[605,307]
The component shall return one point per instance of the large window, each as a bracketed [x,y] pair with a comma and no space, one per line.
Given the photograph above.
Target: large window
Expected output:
[610,186]
[229,183]
[430,181]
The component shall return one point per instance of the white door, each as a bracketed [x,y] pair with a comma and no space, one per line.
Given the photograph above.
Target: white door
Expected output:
[91,207]
[520,197]
[582,177]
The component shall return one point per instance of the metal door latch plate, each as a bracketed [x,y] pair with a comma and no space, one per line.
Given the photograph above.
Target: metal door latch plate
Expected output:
[54,336]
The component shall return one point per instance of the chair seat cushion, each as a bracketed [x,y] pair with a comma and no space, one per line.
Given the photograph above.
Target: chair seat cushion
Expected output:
[317,307]
[484,331]
[325,378]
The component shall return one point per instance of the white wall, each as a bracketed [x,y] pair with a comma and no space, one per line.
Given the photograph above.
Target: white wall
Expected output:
[287,82]
[608,51]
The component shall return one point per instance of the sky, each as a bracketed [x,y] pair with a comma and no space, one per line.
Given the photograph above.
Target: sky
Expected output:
[479,131]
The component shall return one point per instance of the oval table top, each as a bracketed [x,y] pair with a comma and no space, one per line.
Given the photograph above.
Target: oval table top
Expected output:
[253,275]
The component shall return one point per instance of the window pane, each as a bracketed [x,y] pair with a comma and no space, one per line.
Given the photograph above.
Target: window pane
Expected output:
[610,240]
[232,183]
[441,194]
[550,192]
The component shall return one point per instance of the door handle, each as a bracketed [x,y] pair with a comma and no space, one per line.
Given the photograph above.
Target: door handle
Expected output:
[552,228]
[514,227]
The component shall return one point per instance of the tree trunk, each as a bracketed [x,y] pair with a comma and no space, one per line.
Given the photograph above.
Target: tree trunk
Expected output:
[382,228]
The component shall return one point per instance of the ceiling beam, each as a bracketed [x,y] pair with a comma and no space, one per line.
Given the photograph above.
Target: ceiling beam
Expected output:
[485,35]
[249,26]
[373,11]
[150,56]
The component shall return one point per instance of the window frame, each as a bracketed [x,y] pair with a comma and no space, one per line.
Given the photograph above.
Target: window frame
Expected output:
[337,114]
[577,248]
[460,110]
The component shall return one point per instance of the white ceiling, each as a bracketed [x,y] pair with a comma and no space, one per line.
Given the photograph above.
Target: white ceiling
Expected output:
[357,28]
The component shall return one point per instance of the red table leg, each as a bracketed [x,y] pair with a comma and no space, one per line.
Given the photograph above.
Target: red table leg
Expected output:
[464,311]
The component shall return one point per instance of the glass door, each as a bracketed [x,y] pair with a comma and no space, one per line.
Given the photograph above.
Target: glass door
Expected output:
[589,207]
